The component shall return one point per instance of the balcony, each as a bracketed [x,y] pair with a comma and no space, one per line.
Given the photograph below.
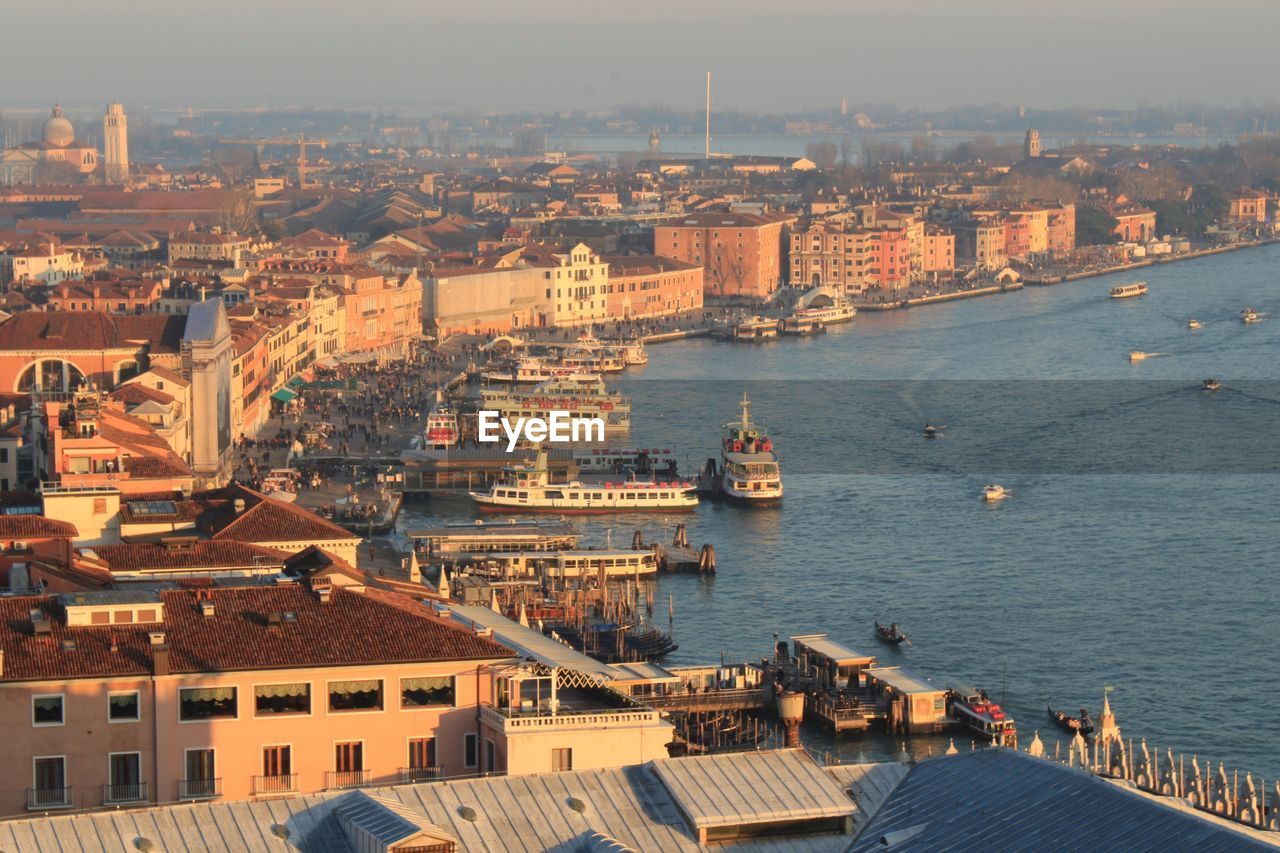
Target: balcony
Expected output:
[576,707]
[39,799]
[285,784]
[199,789]
[133,792]
[409,775]
[346,778]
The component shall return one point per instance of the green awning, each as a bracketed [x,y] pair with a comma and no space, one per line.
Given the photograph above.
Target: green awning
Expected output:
[296,382]
[284,395]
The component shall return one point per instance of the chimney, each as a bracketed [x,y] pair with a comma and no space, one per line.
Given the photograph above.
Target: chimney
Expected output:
[325,593]
[206,608]
[238,505]
[159,654]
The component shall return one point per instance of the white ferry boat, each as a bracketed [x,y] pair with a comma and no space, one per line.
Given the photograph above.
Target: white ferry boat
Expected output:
[527,487]
[634,353]
[840,312]
[619,461]
[754,329]
[531,370]
[1128,291]
[442,427]
[564,565]
[581,396]
[749,468]
[593,360]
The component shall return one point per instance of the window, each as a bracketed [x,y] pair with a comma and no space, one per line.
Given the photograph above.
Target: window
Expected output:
[271,699]
[47,710]
[49,781]
[200,766]
[426,692]
[125,769]
[277,760]
[348,757]
[206,703]
[123,707]
[469,750]
[422,753]
[365,695]
[561,760]
[4,455]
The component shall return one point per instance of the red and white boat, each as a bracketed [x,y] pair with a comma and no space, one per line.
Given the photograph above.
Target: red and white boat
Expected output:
[974,711]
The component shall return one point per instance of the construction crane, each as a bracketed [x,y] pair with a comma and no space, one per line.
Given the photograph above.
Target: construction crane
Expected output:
[302,142]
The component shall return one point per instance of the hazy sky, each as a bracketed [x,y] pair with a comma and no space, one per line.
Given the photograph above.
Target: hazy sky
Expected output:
[593,54]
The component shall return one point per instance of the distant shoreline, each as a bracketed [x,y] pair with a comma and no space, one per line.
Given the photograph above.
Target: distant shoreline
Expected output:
[993,289]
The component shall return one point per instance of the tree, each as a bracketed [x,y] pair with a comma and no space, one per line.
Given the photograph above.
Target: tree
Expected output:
[1094,227]
[823,154]
[923,149]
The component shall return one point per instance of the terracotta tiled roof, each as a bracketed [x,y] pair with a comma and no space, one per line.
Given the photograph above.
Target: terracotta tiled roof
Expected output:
[34,527]
[134,393]
[351,629]
[267,520]
[90,330]
[144,556]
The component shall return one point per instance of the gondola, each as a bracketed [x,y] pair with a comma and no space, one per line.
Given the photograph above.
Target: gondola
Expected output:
[1082,724]
[890,634]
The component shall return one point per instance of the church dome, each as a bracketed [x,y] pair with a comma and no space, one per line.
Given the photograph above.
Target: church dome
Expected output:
[58,130]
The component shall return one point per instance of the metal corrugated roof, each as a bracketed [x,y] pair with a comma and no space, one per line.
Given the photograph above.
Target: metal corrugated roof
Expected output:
[824,645]
[630,805]
[1001,799]
[530,643]
[869,785]
[903,680]
[745,788]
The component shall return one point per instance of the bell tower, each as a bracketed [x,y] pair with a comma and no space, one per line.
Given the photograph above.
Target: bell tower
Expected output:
[115,143]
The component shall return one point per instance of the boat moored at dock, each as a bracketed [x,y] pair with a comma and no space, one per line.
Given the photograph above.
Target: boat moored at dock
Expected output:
[526,487]
[581,396]
[754,329]
[972,710]
[839,312]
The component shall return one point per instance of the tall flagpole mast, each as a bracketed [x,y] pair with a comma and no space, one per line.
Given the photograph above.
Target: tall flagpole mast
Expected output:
[708,148]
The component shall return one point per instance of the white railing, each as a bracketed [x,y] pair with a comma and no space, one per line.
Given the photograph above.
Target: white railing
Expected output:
[563,720]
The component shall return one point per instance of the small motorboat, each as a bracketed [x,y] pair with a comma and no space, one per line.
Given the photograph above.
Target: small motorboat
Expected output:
[931,431]
[890,634]
[1137,355]
[1193,323]
[1210,384]
[1082,724]
[1248,315]
[994,492]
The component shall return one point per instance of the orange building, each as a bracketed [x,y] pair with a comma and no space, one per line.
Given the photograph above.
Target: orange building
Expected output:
[741,253]
[60,351]
[651,286]
[1134,223]
[939,250]
[126,697]
[130,296]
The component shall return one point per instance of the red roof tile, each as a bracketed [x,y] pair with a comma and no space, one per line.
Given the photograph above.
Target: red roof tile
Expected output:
[352,629]
[35,527]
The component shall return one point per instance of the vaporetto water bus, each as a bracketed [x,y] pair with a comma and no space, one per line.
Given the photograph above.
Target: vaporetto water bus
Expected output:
[527,487]
[582,396]
[749,467]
